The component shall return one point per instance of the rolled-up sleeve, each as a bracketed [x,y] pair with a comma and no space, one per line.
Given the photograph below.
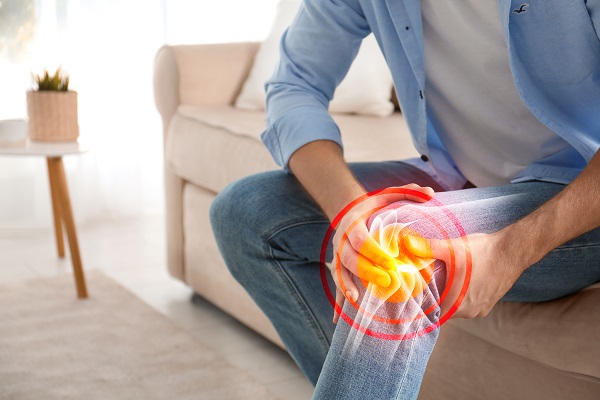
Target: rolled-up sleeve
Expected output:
[315,54]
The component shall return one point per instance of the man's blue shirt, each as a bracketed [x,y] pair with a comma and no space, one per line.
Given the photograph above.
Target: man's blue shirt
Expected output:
[554,52]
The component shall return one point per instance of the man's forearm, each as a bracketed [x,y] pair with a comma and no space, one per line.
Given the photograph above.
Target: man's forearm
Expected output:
[321,169]
[572,212]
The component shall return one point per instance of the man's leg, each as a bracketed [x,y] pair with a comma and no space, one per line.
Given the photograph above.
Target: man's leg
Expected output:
[371,371]
[270,232]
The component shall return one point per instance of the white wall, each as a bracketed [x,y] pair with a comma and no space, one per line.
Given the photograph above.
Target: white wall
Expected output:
[108,47]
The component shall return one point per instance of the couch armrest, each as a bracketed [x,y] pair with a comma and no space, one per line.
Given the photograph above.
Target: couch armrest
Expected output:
[193,75]
[166,84]
[209,74]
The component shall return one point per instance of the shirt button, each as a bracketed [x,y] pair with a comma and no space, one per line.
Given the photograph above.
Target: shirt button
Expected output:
[424,158]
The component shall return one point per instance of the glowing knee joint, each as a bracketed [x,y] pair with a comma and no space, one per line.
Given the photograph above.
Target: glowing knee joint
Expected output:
[414,264]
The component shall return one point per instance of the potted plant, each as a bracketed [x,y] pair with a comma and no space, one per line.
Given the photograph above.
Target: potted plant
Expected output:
[52,108]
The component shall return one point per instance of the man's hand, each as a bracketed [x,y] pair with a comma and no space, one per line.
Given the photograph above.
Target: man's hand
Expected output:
[321,169]
[499,259]
[494,270]
[361,255]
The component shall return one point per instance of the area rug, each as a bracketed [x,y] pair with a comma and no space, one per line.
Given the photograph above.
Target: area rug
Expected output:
[110,346]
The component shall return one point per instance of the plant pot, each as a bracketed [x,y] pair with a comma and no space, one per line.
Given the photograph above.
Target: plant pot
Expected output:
[52,116]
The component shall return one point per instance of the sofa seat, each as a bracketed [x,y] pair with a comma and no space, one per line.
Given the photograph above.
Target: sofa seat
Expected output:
[533,331]
[212,146]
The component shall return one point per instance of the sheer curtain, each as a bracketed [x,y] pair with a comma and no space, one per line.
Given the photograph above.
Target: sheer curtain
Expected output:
[108,47]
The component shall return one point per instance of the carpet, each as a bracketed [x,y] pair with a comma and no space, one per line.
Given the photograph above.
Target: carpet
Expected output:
[111,346]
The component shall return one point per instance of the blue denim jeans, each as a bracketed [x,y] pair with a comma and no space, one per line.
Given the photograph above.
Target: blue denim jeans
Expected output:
[270,233]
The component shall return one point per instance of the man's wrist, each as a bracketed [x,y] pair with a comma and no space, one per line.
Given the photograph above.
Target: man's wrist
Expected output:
[321,169]
[525,243]
[337,203]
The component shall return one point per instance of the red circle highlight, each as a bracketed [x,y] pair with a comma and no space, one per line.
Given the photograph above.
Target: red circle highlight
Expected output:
[451,268]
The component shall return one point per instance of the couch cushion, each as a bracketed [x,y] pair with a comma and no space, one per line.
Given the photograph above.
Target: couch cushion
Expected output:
[364,90]
[212,146]
[562,334]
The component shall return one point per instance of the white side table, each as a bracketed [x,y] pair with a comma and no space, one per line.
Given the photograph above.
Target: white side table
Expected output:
[61,203]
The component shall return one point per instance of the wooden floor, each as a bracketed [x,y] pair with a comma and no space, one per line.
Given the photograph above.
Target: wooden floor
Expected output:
[132,252]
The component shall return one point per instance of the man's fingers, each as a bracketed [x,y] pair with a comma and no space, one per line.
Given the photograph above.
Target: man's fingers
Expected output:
[425,193]
[370,249]
[427,248]
[343,281]
[351,292]
[451,252]
[418,246]
[339,303]
[372,273]
[363,267]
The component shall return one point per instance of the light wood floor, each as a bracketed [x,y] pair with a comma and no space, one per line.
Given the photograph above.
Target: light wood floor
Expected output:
[132,252]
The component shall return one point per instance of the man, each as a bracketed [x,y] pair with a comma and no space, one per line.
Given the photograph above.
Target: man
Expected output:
[503,102]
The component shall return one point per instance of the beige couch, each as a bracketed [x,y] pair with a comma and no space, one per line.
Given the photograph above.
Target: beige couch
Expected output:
[520,351]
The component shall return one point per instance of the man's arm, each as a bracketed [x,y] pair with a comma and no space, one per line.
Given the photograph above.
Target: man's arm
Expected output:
[315,53]
[572,212]
[321,169]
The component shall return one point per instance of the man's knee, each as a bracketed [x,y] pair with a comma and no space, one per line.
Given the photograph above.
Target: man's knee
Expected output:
[235,207]
[228,214]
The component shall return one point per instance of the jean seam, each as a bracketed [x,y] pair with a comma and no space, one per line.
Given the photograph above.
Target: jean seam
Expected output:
[278,229]
[302,303]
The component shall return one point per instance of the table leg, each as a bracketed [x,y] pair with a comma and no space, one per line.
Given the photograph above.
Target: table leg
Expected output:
[66,213]
[58,232]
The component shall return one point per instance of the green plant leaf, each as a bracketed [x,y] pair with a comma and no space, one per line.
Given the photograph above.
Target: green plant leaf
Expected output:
[58,81]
